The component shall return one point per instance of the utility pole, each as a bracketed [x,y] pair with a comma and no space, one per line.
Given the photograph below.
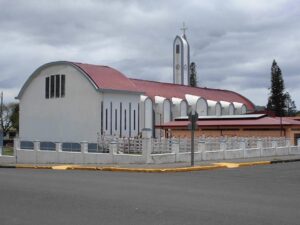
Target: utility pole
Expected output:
[1,121]
[193,117]
[1,110]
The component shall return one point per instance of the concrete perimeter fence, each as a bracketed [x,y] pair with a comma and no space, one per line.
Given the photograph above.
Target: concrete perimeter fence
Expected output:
[147,150]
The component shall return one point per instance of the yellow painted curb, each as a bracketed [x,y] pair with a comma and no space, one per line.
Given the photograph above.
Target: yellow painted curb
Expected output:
[61,167]
[25,166]
[236,165]
[228,165]
[146,170]
[160,170]
[255,163]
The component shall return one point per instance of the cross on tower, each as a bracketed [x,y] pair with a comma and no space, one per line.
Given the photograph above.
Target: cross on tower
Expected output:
[184,28]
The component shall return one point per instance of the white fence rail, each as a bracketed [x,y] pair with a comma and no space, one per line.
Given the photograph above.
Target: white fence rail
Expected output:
[147,150]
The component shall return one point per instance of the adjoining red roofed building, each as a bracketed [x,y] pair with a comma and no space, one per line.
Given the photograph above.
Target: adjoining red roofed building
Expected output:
[251,125]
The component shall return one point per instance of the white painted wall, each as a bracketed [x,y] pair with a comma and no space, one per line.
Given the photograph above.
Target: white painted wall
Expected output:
[77,116]
[225,107]
[201,107]
[71,118]
[126,99]
[146,111]
[211,107]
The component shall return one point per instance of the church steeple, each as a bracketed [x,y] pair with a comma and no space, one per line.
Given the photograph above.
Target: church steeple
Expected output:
[181,59]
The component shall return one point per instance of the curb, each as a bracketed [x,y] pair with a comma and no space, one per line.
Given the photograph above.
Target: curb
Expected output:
[221,165]
[284,161]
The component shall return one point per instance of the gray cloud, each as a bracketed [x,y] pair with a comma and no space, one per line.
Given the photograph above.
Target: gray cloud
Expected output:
[233,43]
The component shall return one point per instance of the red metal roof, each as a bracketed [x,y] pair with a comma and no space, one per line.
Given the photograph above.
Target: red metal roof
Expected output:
[263,121]
[169,90]
[107,78]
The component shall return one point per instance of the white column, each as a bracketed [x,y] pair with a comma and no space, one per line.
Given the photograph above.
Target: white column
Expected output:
[223,148]
[175,147]
[243,147]
[147,144]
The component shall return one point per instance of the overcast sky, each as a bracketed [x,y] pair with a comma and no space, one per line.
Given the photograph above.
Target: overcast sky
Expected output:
[233,42]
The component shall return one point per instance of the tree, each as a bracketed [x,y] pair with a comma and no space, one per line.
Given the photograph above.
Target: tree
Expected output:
[291,109]
[9,116]
[193,75]
[14,117]
[277,98]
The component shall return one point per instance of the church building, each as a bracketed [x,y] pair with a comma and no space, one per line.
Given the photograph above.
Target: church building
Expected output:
[70,101]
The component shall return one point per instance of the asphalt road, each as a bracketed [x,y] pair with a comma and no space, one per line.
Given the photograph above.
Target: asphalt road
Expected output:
[253,195]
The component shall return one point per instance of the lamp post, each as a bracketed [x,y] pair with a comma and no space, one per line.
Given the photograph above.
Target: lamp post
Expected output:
[193,118]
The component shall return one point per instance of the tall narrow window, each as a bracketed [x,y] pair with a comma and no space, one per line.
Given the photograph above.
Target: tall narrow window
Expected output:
[116,119]
[177,49]
[120,119]
[63,82]
[52,85]
[138,120]
[133,119]
[106,121]
[47,88]
[101,117]
[129,116]
[57,85]
[125,117]
[110,117]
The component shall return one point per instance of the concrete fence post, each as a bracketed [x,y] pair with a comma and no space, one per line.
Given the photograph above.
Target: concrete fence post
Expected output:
[223,148]
[274,145]
[58,149]
[84,146]
[83,149]
[288,145]
[260,147]
[36,148]
[16,144]
[113,148]
[243,147]
[58,146]
[147,144]
[175,148]
[201,149]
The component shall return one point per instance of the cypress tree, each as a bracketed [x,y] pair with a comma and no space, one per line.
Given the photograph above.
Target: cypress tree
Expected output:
[277,98]
[193,75]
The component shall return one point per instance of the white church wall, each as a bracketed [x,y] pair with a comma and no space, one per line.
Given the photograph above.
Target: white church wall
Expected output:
[197,103]
[126,126]
[167,111]
[218,109]
[179,107]
[240,108]
[162,111]
[244,109]
[225,107]
[146,111]
[201,107]
[231,109]
[211,107]
[183,108]
[71,118]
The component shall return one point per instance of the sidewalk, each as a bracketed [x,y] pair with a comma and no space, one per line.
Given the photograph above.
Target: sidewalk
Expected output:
[170,167]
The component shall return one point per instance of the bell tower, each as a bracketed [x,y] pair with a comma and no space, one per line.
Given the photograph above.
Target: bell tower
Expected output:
[181,59]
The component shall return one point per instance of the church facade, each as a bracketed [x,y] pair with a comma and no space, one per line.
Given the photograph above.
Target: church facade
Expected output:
[71,102]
